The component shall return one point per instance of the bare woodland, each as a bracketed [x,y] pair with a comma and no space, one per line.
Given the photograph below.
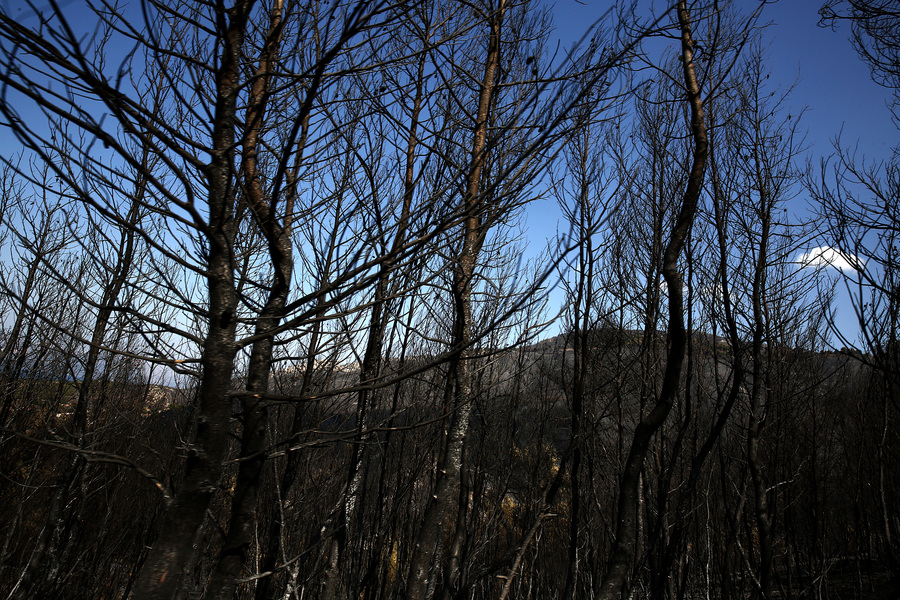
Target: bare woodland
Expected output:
[268,332]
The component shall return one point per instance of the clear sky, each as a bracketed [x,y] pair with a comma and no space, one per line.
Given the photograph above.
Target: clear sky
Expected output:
[832,85]
[831,81]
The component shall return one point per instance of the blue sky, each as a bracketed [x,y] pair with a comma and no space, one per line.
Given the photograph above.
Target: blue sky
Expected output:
[831,83]
[831,80]
[832,87]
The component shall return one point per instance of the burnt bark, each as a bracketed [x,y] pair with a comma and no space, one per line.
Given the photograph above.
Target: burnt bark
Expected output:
[175,546]
[276,231]
[617,577]
[437,525]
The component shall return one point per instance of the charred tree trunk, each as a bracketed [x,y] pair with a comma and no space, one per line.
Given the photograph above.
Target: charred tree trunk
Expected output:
[372,358]
[175,547]
[758,406]
[276,230]
[616,579]
[437,525]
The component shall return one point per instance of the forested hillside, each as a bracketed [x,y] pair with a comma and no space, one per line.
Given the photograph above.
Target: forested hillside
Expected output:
[273,325]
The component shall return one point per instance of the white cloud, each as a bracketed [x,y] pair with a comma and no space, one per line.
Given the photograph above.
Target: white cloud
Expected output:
[823,256]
